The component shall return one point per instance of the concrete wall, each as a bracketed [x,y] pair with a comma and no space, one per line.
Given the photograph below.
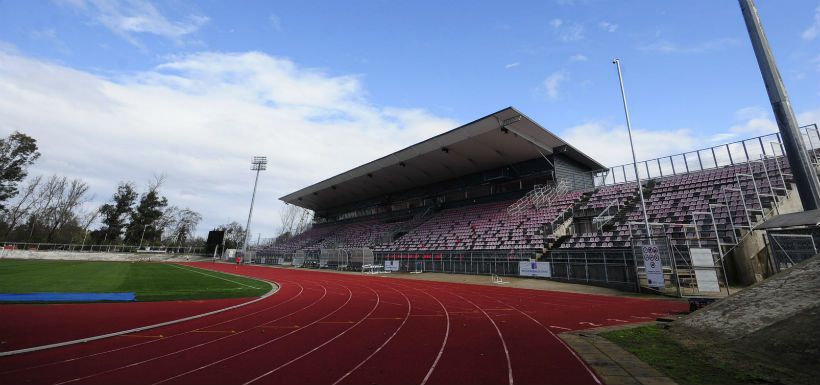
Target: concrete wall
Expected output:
[87,256]
[575,174]
[750,257]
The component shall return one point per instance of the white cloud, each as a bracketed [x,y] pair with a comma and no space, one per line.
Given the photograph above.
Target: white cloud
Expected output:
[127,18]
[666,46]
[811,32]
[552,82]
[607,26]
[275,22]
[567,31]
[199,119]
[609,143]
[512,65]
[578,57]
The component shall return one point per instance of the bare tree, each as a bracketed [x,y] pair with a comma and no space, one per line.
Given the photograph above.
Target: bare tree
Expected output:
[185,225]
[69,196]
[295,220]
[22,206]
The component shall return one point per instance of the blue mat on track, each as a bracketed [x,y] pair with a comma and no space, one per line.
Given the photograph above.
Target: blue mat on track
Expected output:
[66,297]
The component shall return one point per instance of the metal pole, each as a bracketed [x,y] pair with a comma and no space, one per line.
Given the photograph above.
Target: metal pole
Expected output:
[143,235]
[808,187]
[257,165]
[617,63]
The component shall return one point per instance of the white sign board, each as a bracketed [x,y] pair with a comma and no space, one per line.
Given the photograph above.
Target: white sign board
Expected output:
[391,265]
[534,269]
[654,267]
[705,274]
[280,261]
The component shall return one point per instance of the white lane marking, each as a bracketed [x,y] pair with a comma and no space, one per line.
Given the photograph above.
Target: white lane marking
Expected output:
[633,316]
[350,295]
[500,336]
[211,275]
[406,317]
[279,285]
[558,327]
[274,289]
[182,350]
[443,342]
[378,298]
[616,320]
[590,324]
[560,341]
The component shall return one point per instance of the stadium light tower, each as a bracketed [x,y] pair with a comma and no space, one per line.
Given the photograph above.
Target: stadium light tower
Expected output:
[805,177]
[617,63]
[258,164]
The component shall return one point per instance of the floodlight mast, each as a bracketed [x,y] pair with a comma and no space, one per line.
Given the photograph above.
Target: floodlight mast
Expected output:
[258,164]
[805,177]
[617,63]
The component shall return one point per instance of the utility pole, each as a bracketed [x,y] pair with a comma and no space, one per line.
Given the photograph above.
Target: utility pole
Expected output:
[259,163]
[805,176]
[617,63]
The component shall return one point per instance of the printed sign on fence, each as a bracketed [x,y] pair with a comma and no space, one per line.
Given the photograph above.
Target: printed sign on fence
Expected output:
[705,274]
[653,265]
[534,269]
[391,265]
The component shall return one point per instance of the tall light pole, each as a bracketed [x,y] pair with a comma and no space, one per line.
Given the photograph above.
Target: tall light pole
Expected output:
[805,177]
[617,63]
[259,163]
[143,236]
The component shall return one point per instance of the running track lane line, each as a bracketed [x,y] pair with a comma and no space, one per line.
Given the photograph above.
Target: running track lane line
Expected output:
[186,349]
[378,299]
[349,296]
[211,275]
[561,341]
[500,336]
[406,317]
[301,290]
[444,340]
[274,289]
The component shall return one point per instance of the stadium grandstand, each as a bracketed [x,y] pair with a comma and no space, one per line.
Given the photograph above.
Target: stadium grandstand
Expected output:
[502,190]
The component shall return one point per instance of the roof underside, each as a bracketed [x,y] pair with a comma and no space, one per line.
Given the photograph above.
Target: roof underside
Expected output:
[503,138]
[809,218]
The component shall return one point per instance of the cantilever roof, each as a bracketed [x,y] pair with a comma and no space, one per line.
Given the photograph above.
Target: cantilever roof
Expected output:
[502,138]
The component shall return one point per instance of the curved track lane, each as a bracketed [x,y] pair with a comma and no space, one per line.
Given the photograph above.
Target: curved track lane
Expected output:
[327,328]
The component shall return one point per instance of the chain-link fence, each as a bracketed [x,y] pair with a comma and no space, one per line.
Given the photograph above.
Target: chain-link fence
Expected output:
[786,250]
[504,263]
[110,248]
[601,267]
[682,270]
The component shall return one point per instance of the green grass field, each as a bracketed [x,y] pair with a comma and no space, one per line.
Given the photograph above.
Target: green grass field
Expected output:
[150,281]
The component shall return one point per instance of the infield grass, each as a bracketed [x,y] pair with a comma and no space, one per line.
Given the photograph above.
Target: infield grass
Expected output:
[150,281]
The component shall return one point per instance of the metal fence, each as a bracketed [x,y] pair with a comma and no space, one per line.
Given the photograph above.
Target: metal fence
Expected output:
[786,250]
[683,270]
[112,248]
[601,267]
[505,263]
[707,158]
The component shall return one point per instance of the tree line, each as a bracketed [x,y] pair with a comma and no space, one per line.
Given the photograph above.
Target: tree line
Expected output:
[56,209]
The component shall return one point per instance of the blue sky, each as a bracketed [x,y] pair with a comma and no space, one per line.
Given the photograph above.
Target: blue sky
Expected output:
[197,88]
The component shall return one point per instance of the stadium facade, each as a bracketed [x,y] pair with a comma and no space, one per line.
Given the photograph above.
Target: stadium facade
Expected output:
[501,192]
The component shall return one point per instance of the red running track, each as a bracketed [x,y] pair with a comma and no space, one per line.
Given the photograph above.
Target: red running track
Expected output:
[327,328]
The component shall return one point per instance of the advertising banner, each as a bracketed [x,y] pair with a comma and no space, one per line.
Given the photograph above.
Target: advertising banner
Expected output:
[391,265]
[534,269]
